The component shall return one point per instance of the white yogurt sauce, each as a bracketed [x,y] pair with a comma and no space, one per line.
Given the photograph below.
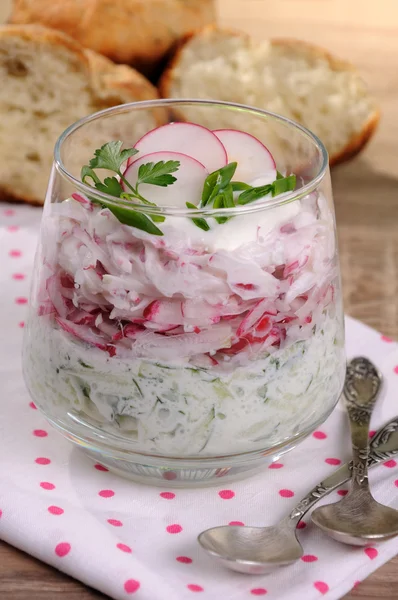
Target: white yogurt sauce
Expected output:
[235,232]
[174,408]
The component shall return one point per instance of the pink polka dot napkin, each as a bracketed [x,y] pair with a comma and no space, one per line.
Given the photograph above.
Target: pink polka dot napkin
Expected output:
[129,540]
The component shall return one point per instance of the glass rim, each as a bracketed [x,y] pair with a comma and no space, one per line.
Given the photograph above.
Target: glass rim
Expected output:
[177,211]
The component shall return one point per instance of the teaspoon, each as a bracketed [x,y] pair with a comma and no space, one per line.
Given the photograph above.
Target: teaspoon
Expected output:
[258,550]
[358,519]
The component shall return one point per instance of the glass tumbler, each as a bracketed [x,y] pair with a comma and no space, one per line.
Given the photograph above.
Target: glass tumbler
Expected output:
[178,341]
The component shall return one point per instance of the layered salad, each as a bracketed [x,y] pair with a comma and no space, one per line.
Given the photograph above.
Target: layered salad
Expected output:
[213,329]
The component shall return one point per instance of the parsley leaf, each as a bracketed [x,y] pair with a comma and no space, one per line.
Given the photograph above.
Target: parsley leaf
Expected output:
[88,172]
[111,157]
[158,173]
[110,186]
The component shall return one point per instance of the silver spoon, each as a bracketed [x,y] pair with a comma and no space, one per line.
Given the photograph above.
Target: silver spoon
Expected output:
[258,550]
[358,519]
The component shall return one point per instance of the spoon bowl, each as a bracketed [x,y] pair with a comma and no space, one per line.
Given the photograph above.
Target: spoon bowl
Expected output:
[358,519]
[252,550]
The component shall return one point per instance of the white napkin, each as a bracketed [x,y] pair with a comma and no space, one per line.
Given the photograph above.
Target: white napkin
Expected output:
[130,540]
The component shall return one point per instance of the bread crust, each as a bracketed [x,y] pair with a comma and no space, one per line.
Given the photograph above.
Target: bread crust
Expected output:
[136,32]
[110,84]
[7,195]
[357,142]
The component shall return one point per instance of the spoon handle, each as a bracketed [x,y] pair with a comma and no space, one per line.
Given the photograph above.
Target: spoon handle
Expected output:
[384,445]
[361,388]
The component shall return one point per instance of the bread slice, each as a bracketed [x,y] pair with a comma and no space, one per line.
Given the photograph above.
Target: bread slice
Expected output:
[136,32]
[48,81]
[289,77]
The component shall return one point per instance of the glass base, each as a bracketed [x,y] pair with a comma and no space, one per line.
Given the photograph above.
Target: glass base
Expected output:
[173,472]
[176,476]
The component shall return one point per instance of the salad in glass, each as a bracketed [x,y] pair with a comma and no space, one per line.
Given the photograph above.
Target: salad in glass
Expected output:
[185,319]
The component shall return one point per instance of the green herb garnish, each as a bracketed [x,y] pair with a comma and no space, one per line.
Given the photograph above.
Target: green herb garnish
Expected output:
[224,199]
[216,183]
[201,223]
[85,365]
[158,173]
[254,193]
[279,186]
[218,192]
[138,388]
[218,189]
[111,157]
[283,184]
[239,186]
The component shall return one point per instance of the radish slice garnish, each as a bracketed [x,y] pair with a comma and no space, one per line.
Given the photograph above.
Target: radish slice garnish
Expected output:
[253,158]
[186,138]
[190,176]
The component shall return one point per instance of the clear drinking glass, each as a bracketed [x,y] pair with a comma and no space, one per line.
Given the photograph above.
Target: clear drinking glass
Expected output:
[198,354]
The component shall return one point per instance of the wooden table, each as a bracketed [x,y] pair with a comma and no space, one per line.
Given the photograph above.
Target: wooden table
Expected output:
[366,195]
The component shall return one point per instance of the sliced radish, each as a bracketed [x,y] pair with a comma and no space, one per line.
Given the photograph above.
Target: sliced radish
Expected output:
[46,308]
[187,138]
[204,360]
[253,158]
[61,305]
[262,308]
[190,176]
[165,312]
[129,331]
[83,201]
[81,317]
[82,332]
[199,312]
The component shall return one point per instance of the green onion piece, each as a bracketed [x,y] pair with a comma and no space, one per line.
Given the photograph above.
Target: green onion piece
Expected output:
[201,223]
[216,182]
[254,194]
[239,186]
[287,184]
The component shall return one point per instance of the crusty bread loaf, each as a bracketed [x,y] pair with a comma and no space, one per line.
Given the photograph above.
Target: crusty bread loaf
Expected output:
[48,81]
[136,32]
[288,77]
